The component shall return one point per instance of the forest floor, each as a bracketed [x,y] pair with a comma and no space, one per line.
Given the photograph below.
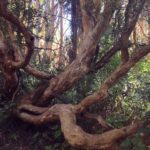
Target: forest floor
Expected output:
[15,138]
[17,135]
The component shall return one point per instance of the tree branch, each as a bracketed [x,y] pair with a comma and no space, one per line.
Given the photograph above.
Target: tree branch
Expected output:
[37,73]
[21,27]
[81,65]
[114,77]
[86,21]
[127,29]
[99,119]
[76,136]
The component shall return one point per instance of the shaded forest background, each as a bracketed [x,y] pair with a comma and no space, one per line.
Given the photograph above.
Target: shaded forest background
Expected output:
[59,31]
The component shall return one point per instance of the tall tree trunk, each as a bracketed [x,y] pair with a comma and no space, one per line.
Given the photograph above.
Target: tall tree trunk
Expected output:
[37,23]
[61,52]
[74,28]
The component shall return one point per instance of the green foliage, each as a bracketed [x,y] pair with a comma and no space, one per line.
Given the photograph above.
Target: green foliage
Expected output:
[134,143]
[6,109]
[117,120]
[48,147]
[3,114]
[143,66]
[49,138]
[29,82]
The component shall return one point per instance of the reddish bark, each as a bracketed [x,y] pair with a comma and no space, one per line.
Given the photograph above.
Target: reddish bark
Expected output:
[28,110]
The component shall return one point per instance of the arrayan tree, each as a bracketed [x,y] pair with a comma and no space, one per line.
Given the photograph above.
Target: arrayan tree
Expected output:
[36,107]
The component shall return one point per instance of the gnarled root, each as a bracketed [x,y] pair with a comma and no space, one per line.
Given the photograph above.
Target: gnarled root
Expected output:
[73,133]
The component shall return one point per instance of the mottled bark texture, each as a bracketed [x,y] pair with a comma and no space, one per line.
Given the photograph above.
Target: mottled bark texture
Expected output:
[95,24]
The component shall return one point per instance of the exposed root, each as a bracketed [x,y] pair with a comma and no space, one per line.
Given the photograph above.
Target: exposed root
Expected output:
[73,133]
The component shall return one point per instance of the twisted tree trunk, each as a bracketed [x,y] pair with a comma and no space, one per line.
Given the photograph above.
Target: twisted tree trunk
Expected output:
[31,108]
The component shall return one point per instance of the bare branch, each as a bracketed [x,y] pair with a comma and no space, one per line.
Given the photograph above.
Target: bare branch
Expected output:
[37,73]
[76,136]
[123,41]
[32,109]
[27,35]
[81,65]
[99,119]
[114,77]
